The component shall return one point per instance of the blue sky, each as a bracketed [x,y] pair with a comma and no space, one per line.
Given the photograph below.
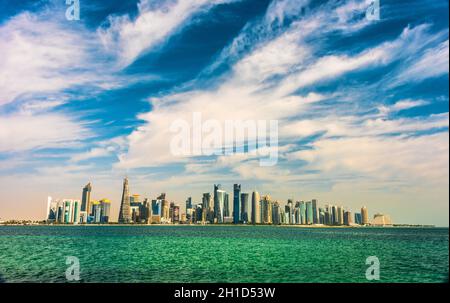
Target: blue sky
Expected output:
[362,105]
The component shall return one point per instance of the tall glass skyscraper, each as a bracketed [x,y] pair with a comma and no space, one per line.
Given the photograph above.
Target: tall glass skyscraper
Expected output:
[365,215]
[358,218]
[302,213]
[217,209]
[245,208]
[220,194]
[236,203]
[315,211]
[207,208]
[309,213]
[334,213]
[340,215]
[105,210]
[276,215]
[156,207]
[125,209]
[188,203]
[256,208]
[266,210]
[86,199]
[290,205]
[226,206]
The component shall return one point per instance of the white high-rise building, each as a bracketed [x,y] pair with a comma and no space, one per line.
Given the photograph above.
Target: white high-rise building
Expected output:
[256,208]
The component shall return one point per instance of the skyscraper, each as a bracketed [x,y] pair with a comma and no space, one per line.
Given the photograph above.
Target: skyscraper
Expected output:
[348,218]
[125,209]
[266,209]
[156,207]
[328,220]
[276,213]
[302,213]
[69,211]
[236,203]
[334,215]
[340,215]
[216,200]
[358,218]
[226,205]
[96,211]
[256,208]
[188,203]
[52,210]
[86,199]
[365,215]
[219,211]
[309,213]
[175,214]
[321,216]
[165,209]
[207,212]
[189,209]
[290,205]
[315,210]
[244,208]
[105,210]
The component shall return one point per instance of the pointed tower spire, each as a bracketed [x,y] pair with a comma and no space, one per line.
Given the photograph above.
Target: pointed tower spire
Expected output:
[125,209]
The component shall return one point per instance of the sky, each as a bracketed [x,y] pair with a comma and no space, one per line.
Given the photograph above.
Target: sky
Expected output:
[362,105]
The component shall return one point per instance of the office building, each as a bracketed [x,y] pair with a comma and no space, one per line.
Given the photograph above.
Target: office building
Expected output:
[315,211]
[52,210]
[340,215]
[334,215]
[266,205]
[189,203]
[236,203]
[125,209]
[175,213]
[358,218]
[219,203]
[276,213]
[256,208]
[245,208]
[321,216]
[302,207]
[86,199]
[365,215]
[207,209]
[226,206]
[165,209]
[309,213]
[290,208]
[348,218]
[105,205]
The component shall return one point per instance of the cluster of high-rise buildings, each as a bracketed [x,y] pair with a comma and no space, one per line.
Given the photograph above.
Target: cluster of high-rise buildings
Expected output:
[242,208]
[134,210]
[73,211]
[215,208]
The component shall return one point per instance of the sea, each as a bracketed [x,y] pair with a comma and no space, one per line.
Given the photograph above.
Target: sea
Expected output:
[224,254]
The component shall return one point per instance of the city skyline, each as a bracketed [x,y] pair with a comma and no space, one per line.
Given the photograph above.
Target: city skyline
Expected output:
[213,208]
[360,104]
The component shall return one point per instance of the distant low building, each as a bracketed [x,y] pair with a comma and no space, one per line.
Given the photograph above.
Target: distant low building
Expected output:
[381,220]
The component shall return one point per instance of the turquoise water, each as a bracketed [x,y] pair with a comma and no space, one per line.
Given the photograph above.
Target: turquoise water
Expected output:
[222,253]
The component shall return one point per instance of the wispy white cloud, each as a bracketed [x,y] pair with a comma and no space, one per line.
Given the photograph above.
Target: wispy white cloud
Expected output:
[401,105]
[128,38]
[41,55]
[433,63]
[24,131]
[413,160]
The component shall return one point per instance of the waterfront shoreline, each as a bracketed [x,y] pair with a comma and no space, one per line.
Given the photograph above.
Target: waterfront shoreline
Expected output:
[226,225]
